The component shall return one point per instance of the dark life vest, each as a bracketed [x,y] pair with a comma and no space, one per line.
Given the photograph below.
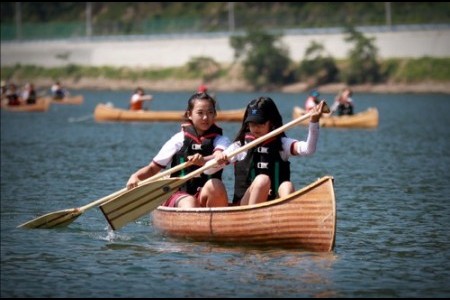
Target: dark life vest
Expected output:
[59,94]
[13,99]
[193,143]
[263,159]
[32,98]
[345,109]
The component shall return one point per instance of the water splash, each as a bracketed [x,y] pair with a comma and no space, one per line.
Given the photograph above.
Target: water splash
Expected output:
[80,119]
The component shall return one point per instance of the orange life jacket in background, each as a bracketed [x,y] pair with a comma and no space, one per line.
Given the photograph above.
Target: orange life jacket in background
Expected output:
[137,105]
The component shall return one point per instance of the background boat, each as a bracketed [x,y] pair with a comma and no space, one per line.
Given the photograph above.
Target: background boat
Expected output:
[106,112]
[305,219]
[41,105]
[364,119]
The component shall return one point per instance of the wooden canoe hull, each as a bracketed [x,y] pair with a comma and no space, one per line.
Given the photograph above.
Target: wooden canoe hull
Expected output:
[41,105]
[71,100]
[107,113]
[305,219]
[365,119]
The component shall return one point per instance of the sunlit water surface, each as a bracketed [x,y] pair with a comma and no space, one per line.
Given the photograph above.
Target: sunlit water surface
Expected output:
[391,183]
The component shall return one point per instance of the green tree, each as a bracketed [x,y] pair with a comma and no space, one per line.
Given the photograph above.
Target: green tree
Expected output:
[363,65]
[205,67]
[264,58]
[317,67]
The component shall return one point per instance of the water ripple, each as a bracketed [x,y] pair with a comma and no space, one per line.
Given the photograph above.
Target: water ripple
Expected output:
[391,188]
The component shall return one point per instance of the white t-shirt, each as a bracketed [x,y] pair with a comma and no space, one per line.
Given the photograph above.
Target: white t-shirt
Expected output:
[174,144]
[135,98]
[309,103]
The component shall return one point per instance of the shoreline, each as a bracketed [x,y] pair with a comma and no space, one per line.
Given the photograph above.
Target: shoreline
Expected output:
[239,85]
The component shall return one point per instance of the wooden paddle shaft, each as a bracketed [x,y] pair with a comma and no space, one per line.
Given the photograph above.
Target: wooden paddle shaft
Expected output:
[150,179]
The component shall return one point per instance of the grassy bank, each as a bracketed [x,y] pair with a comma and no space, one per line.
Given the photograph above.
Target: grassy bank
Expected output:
[406,72]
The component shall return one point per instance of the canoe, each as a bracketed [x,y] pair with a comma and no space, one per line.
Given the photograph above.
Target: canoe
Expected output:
[365,119]
[306,219]
[109,113]
[73,100]
[41,105]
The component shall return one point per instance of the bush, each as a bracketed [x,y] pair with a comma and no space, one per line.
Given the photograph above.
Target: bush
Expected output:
[204,67]
[363,65]
[265,60]
[317,67]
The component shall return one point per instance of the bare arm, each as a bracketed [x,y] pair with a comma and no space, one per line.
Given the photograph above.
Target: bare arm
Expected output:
[316,112]
[142,174]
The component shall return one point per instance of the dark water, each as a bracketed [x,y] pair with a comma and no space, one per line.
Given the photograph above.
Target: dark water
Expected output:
[392,189]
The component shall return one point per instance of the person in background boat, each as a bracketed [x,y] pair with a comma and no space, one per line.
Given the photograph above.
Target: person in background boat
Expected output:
[263,172]
[138,98]
[58,91]
[199,140]
[343,103]
[202,89]
[12,95]
[29,94]
[3,90]
[312,100]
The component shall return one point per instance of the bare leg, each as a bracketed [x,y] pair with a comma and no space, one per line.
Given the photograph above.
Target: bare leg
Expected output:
[285,189]
[213,194]
[258,191]
[187,202]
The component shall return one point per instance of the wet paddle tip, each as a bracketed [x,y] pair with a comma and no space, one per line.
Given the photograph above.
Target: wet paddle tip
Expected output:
[53,220]
[30,225]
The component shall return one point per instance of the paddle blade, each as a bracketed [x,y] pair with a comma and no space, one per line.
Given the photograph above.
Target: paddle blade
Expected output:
[325,108]
[59,218]
[137,202]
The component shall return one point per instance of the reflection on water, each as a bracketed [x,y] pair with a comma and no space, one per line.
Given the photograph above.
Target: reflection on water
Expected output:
[275,272]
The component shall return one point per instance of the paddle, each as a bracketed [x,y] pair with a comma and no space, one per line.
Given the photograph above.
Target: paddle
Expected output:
[64,217]
[143,199]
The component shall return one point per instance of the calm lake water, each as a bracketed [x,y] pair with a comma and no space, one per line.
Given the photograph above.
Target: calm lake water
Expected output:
[392,189]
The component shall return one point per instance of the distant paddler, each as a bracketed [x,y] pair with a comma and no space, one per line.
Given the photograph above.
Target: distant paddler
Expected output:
[138,98]
[202,89]
[58,91]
